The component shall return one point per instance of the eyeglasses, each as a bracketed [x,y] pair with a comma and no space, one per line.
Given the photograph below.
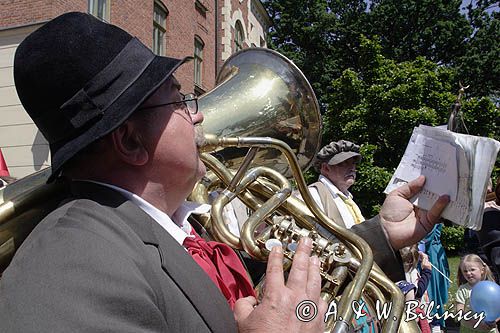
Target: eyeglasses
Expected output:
[190,102]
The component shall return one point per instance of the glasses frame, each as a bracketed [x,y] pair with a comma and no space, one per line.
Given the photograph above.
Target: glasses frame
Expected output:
[186,99]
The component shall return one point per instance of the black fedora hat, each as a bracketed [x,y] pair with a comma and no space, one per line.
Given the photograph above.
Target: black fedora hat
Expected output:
[80,78]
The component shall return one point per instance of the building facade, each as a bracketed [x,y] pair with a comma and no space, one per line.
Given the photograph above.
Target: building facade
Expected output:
[208,30]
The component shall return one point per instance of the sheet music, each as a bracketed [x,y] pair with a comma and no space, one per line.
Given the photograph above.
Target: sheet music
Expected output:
[434,159]
[455,164]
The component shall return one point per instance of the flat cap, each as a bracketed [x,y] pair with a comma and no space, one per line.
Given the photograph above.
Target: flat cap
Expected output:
[337,152]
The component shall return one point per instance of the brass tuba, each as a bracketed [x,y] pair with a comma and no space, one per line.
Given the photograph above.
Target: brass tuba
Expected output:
[22,205]
[263,125]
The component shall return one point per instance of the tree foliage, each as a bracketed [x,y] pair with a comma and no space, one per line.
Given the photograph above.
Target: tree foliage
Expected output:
[380,71]
[434,29]
[319,36]
[479,66]
[322,36]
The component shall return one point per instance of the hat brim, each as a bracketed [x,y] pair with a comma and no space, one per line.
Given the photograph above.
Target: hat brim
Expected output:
[344,156]
[158,71]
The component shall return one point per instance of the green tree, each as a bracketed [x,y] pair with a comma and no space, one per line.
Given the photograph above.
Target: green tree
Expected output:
[440,31]
[479,66]
[322,36]
[434,29]
[319,36]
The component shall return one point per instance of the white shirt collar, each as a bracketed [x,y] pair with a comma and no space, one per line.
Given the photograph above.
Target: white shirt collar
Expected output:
[180,229]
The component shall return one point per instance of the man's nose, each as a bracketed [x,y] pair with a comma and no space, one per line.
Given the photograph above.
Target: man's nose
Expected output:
[197,118]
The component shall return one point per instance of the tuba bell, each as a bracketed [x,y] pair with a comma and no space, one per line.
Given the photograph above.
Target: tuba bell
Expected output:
[260,93]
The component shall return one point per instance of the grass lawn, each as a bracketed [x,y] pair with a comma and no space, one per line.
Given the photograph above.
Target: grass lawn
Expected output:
[453,262]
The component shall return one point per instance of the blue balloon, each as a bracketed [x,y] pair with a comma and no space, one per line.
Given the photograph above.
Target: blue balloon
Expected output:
[485,297]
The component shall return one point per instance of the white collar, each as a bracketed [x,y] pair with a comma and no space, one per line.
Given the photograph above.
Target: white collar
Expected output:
[178,230]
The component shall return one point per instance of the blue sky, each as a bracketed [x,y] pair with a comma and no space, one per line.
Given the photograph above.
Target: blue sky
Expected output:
[465,3]
[494,8]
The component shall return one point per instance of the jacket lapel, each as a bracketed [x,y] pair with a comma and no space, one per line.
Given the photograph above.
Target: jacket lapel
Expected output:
[194,282]
[175,260]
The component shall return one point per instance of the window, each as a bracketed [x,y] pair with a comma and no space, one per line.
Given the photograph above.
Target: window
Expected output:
[159,28]
[200,8]
[198,61]
[99,9]
[238,36]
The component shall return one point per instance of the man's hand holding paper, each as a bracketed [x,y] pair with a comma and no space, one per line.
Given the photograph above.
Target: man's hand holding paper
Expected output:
[405,224]
[454,164]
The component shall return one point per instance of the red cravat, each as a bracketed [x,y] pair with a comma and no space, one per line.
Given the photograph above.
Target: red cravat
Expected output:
[222,265]
[423,323]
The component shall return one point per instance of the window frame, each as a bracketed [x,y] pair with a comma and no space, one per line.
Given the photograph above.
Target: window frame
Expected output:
[200,7]
[159,29]
[199,45]
[238,33]
[94,8]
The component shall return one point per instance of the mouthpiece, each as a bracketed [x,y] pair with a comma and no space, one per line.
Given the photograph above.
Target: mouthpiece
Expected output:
[211,144]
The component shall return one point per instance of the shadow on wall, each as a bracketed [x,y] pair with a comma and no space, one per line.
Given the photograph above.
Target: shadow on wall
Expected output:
[40,151]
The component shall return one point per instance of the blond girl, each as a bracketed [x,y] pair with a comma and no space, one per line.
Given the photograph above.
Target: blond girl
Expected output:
[472,270]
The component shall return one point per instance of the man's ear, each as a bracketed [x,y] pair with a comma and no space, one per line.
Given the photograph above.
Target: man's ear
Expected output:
[129,144]
[324,168]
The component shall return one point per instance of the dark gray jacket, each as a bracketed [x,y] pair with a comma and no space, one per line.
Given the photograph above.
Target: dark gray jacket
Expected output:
[98,263]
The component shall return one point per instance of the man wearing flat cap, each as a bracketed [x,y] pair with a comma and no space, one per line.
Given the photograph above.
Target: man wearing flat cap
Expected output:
[336,163]
[117,254]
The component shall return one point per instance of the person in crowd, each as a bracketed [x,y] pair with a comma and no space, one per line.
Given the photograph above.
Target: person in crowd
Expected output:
[118,253]
[336,162]
[420,279]
[489,235]
[472,269]
[439,284]
[471,237]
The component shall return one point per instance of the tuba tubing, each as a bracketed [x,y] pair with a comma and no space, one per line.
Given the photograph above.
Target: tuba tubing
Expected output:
[263,103]
[363,269]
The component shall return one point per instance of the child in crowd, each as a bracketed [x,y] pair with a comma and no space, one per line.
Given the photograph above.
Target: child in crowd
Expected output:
[473,270]
[416,283]
[411,257]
